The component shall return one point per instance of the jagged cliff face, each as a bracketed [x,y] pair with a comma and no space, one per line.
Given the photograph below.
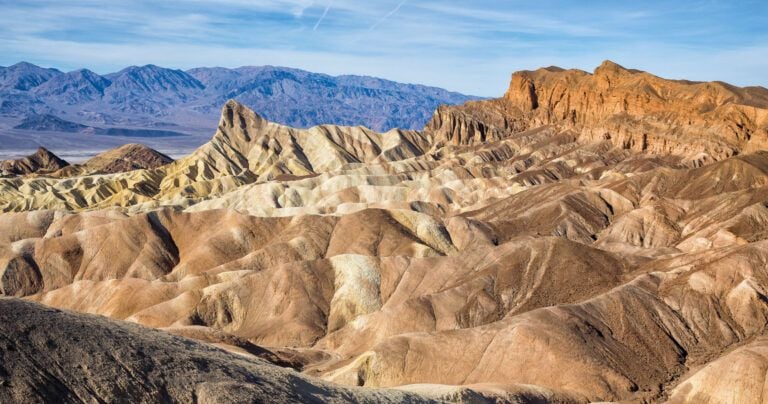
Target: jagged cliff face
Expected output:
[587,237]
[269,150]
[633,109]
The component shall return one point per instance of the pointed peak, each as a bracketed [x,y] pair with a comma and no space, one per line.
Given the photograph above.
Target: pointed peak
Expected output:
[25,65]
[85,72]
[553,69]
[235,105]
[144,68]
[30,67]
[610,67]
[231,103]
[236,114]
[46,154]
[128,157]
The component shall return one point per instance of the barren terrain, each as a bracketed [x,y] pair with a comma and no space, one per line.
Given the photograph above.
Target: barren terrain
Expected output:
[587,237]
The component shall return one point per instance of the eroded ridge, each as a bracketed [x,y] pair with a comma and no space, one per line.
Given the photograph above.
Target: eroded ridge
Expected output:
[586,237]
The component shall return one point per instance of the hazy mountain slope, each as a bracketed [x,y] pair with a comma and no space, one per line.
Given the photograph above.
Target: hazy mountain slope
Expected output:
[149,90]
[148,96]
[24,76]
[74,87]
[302,99]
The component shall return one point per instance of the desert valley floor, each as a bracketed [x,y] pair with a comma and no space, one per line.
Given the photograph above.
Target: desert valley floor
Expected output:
[587,237]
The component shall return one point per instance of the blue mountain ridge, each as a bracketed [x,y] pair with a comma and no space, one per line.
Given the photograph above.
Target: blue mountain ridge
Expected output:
[151,96]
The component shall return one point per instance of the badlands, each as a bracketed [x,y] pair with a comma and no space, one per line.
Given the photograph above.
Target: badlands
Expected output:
[586,237]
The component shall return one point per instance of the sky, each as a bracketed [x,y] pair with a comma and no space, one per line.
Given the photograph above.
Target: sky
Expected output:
[467,46]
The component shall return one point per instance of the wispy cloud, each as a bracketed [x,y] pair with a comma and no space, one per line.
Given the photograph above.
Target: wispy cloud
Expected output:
[516,20]
[389,14]
[322,17]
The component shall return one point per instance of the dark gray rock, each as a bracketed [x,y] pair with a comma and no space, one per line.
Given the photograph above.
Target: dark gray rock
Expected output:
[48,355]
[52,123]
[49,123]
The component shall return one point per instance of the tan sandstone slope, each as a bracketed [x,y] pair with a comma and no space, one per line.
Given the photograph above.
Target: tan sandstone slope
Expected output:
[586,237]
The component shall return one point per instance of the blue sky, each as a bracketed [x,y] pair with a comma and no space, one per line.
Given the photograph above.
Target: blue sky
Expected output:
[467,46]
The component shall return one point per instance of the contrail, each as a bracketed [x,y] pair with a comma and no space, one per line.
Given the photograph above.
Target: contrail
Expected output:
[322,17]
[389,14]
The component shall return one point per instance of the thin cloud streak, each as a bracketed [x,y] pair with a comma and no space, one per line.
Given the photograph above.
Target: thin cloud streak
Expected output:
[322,17]
[389,14]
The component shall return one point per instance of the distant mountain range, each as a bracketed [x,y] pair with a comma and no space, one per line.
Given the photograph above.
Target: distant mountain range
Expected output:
[189,101]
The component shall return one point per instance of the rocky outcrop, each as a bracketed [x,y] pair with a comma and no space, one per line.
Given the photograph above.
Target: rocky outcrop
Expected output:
[42,161]
[642,112]
[632,109]
[471,124]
